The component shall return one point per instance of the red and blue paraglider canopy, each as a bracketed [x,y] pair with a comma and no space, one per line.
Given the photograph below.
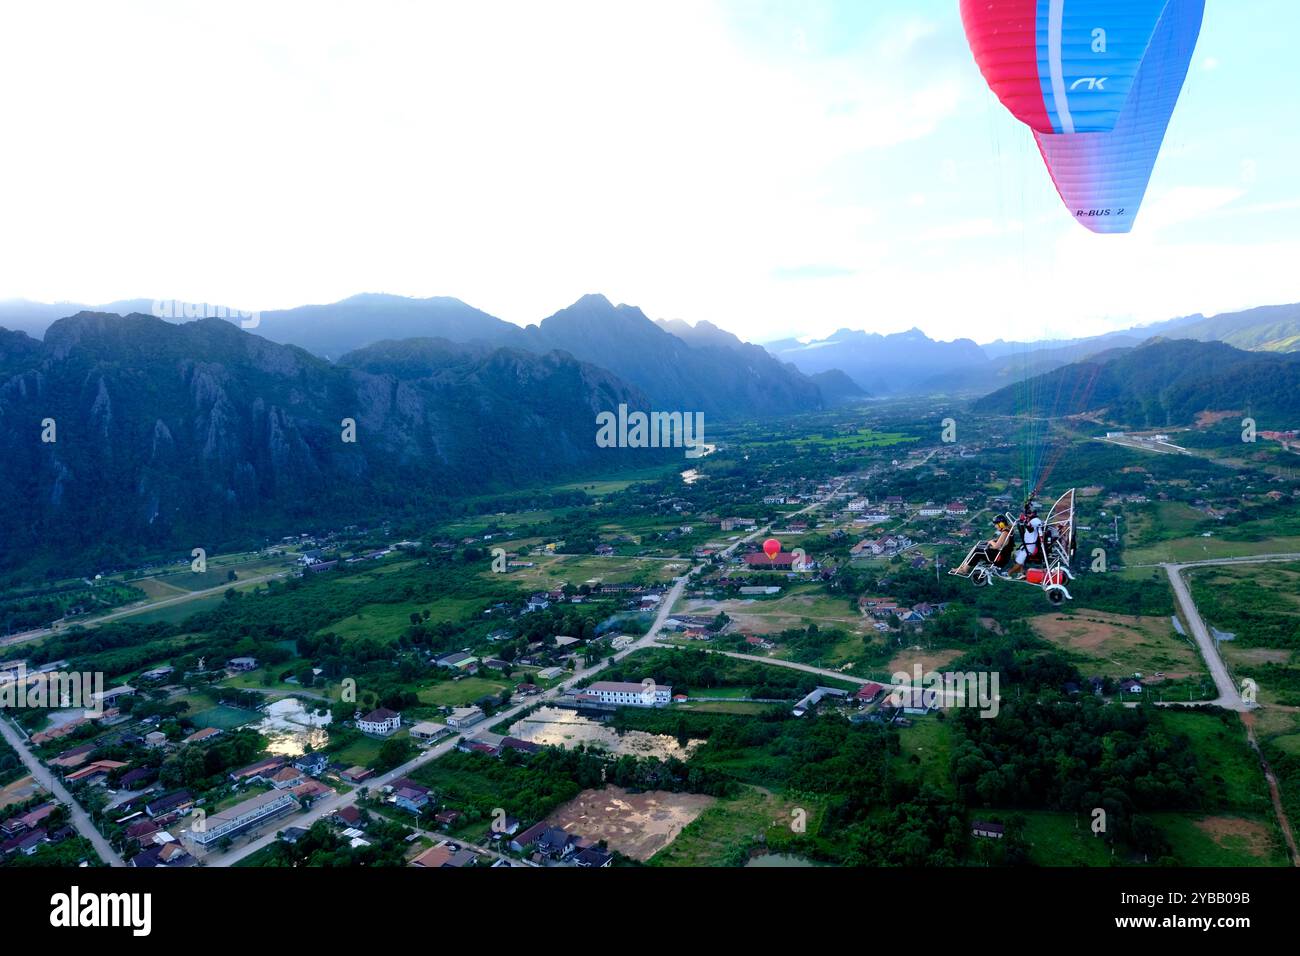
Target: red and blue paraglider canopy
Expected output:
[1097,82]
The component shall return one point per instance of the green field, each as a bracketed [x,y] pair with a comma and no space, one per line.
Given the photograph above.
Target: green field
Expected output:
[554,570]
[1058,839]
[1222,840]
[796,606]
[176,613]
[725,707]
[1117,645]
[461,692]
[1183,550]
[386,622]
[363,752]
[597,487]
[1260,605]
[723,834]
[929,740]
[1230,769]
[224,718]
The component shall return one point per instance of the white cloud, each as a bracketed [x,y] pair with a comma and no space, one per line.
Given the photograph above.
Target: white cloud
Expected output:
[518,155]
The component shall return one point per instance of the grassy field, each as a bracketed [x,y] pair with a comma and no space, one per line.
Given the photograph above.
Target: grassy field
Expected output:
[1117,645]
[1260,605]
[176,613]
[930,742]
[1230,770]
[725,707]
[158,590]
[1181,550]
[217,573]
[721,834]
[363,752]
[461,692]
[796,607]
[1059,839]
[608,486]
[224,718]
[386,622]
[555,570]
[1222,840]
[1275,586]
[856,440]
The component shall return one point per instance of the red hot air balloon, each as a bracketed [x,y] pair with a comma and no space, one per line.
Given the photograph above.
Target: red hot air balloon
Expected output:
[1097,82]
[771,547]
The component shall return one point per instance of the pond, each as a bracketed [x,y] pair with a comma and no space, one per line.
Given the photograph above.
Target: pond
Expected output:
[291,728]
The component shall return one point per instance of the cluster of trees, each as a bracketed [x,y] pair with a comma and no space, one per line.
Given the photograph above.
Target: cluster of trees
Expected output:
[11,768]
[1075,757]
[529,786]
[201,768]
[824,755]
[921,828]
[573,620]
[322,846]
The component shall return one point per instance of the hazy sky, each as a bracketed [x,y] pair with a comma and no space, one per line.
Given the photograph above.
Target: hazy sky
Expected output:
[777,168]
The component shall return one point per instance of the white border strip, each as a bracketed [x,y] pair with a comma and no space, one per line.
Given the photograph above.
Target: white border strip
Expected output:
[1055,15]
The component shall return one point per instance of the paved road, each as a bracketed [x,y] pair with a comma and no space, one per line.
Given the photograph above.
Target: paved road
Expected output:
[1208,562]
[1228,694]
[793,665]
[135,609]
[330,804]
[78,817]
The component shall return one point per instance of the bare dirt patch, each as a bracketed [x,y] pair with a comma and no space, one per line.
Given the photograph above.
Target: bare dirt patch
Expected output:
[908,658]
[1258,655]
[1120,641]
[1232,832]
[637,825]
[789,610]
[1206,419]
[20,790]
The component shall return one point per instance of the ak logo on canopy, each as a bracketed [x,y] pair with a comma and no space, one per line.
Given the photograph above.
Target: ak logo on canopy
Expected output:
[1097,82]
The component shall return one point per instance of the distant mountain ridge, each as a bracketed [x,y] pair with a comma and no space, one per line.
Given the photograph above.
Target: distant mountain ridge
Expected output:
[187,435]
[722,377]
[705,369]
[1165,382]
[673,367]
[881,364]
[837,388]
[911,362]
[702,369]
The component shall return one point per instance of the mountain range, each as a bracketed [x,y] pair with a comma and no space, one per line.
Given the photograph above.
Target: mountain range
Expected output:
[1160,383]
[669,359]
[911,362]
[192,434]
[129,434]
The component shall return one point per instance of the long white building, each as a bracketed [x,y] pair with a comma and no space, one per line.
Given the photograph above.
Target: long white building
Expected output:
[243,815]
[627,694]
